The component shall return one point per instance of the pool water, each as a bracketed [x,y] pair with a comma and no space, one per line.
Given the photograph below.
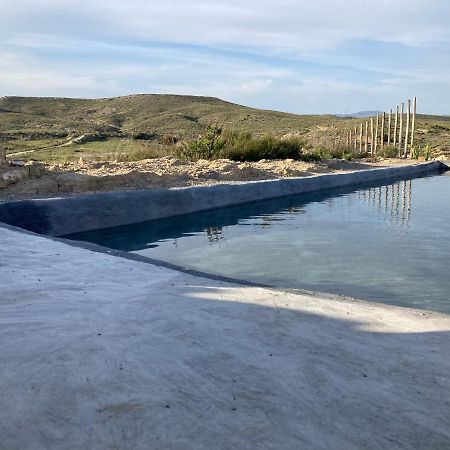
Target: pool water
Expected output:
[388,243]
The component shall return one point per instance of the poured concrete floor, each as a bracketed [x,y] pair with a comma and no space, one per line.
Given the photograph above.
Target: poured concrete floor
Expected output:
[101,352]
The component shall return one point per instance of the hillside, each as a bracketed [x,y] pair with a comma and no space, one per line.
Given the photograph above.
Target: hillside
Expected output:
[140,126]
[184,116]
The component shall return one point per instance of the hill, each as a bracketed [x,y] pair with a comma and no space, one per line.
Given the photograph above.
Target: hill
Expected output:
[140,126]
[184,116]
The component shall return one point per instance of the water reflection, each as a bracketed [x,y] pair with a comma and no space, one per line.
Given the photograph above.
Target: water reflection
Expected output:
[214,233]
[393,200]
[364,242]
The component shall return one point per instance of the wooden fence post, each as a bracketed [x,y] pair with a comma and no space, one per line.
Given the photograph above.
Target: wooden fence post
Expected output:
[395,127]
[400,131]
[408,117]
[389,127]
[376,134]
[371,136]
[355,138]
[360,137]
[366,141]
[383,119]
[413,121]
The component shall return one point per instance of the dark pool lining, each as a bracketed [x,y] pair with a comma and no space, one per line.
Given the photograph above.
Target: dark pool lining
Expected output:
[155,230]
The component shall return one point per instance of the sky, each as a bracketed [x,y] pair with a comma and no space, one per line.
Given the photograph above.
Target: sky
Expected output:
[301,56]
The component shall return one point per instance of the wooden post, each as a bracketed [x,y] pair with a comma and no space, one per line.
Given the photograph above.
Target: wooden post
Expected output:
[413,121]
[400,130]
[408,118]
[360,137]
[383,119]
[376,134]
[389,127]
[371,136]
[350,137]
[395,127]
[366,141]
[355,138]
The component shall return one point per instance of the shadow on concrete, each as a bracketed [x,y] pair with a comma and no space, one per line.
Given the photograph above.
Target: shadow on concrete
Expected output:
[193,364]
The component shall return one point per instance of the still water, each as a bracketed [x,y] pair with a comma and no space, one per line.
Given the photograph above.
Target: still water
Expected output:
[389,243]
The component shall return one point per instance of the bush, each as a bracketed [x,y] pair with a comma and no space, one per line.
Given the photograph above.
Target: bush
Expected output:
[239,146]
[244,147]
[388,152]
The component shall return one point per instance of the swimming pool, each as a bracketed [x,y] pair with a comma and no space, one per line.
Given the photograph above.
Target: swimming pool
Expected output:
[387,242]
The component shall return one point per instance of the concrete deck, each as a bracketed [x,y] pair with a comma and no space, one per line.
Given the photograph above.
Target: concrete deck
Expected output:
[101,352]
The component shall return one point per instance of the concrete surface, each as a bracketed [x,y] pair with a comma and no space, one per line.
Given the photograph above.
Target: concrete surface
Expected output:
[60,216]
[101,352]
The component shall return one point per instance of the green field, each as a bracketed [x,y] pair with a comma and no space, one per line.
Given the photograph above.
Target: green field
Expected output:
[37,128]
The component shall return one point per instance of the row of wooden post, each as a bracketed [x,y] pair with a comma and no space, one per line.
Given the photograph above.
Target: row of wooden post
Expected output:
[396,137]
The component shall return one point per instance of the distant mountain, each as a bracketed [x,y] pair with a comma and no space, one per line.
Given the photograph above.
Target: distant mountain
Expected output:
[361,114]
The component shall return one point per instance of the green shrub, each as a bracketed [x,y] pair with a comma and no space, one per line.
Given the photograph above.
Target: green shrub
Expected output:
[239,146]
[415,153]
[426,152]
[247,148]
[317,154]
[388,152]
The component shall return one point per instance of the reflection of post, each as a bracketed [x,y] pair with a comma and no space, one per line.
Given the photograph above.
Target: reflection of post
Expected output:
[403,202]
[386,197]
[392,202]
[409,200]
[379,197]
[397,202]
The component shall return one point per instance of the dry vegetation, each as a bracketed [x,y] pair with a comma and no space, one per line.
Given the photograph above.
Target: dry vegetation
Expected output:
[165,140]
[139,127]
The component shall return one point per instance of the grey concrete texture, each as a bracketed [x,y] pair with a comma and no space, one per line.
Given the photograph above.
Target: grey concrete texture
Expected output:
[100,352]
[60,216]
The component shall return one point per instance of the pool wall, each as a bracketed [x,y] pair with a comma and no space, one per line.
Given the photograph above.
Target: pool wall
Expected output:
[64,215]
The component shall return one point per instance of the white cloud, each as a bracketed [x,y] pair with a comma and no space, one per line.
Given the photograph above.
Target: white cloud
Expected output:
[298,26]
[299,55]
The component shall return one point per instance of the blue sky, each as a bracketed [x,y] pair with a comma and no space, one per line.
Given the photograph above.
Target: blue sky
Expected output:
[301,56]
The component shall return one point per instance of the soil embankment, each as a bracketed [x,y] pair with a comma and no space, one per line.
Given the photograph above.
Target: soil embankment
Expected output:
[165,172]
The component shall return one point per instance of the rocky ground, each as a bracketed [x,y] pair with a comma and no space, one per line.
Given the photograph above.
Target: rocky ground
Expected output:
[41,180]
